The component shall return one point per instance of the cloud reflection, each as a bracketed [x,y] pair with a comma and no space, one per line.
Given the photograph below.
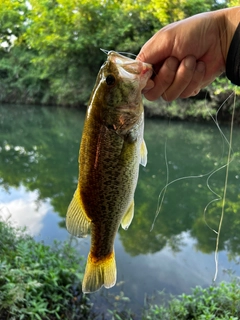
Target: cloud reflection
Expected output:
[23,209]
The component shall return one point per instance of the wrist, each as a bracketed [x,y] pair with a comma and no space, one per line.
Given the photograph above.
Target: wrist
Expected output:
[230,18]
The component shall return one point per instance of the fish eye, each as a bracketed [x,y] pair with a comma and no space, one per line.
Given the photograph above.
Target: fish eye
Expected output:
[110,80]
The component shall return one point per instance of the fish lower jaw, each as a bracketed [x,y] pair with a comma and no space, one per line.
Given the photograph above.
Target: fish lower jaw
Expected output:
[145,75]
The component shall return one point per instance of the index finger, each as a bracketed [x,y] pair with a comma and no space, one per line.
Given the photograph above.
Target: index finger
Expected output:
[155,50]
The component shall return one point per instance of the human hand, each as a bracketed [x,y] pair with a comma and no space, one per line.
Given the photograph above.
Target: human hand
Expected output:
[186,55]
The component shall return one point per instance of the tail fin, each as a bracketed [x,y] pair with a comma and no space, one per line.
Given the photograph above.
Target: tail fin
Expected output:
[99,273]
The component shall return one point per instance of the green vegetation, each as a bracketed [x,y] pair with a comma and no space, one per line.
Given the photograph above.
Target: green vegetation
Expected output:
[214,302]
[39,282]
[50,50]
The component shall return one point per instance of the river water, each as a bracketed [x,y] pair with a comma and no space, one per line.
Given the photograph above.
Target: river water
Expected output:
[38,175]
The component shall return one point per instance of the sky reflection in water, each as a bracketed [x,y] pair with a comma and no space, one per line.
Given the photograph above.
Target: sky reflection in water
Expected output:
[38,170]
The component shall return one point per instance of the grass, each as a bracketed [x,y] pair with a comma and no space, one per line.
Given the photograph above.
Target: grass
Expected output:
[38,281]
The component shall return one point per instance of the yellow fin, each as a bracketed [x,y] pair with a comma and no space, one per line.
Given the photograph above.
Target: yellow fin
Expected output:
[143,152]
[99,273]
[128,216]
[77,221]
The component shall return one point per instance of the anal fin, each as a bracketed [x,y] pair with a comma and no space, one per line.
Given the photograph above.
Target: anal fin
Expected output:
[99,273]
[128,216]
[77,221]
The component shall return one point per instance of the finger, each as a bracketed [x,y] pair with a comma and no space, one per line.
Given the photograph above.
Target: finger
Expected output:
[196,83]
[182,79]
[163,79]
[157,48]
[209,78]
[149,86]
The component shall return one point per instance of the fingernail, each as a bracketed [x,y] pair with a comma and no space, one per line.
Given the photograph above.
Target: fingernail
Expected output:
[200,66]
[172,63]
[190,62]
[149,85]
[195,92]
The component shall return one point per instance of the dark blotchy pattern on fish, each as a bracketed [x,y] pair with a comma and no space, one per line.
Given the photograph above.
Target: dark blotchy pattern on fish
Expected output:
[111,149]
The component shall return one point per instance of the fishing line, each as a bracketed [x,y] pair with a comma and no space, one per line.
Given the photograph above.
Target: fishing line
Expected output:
[220,168]
[120,52]
[104,50]
[224,191]
[159,204]
[127,53]
[208,174]
[163,191]
[5,217]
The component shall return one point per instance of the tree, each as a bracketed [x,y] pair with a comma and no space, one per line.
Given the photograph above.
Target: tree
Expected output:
[56,55]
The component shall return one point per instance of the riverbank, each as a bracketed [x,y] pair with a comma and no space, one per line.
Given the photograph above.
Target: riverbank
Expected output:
[210,102]
[37,283]
[201,108]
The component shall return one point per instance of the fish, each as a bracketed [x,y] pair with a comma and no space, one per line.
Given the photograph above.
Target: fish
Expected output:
[111,149]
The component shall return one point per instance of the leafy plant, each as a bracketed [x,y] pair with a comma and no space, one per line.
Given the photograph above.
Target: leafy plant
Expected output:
[45,45]
[214,302]
[38,281]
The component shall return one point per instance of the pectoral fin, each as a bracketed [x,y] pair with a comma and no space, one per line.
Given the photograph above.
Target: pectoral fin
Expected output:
[128,216]
[143,152]
[77,221]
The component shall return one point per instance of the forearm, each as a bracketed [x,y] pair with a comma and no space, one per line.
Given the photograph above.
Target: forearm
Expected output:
[231,19]
[233,45]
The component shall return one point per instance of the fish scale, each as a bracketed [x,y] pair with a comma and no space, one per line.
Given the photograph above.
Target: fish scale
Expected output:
[112,147]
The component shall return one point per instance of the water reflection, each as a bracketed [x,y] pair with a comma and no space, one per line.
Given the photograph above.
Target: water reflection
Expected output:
[38,175]
[24,209]
[193,151]
[39,149]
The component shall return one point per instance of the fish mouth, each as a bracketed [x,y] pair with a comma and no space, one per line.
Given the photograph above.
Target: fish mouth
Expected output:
[129,68]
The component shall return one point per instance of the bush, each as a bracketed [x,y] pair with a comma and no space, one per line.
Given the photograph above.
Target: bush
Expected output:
[214,302]
[38,281]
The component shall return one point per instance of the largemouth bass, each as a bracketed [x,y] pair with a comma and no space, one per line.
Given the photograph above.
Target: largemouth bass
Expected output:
[112,147]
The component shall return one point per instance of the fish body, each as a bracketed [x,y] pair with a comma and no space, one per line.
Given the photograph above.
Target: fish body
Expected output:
[112,147]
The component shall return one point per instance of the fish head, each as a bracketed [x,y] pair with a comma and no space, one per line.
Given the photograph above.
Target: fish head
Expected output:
[118,89]
[131,70]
